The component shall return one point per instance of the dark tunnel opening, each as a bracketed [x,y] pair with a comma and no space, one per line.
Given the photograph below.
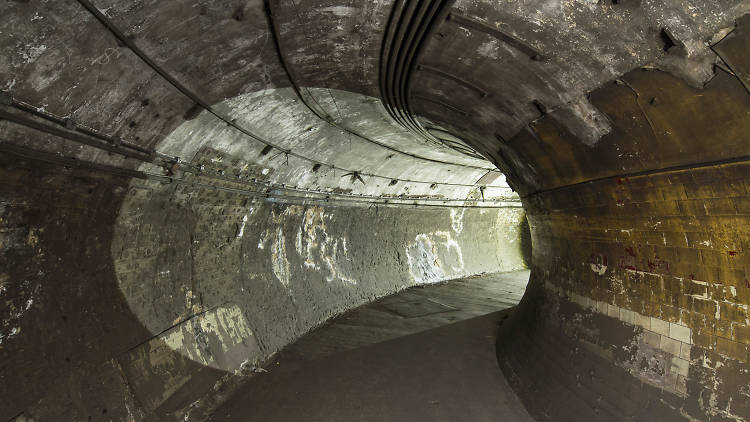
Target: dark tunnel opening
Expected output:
[206,207]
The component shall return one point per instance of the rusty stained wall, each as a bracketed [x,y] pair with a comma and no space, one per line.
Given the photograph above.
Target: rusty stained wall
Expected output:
[657,279]
[639,292]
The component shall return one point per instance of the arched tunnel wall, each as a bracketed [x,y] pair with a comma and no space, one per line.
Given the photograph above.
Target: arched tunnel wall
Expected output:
[652,288]
[128,229]
[637,308]
[128,298]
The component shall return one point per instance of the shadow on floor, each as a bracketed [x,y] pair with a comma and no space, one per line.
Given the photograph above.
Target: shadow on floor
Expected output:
[449,373]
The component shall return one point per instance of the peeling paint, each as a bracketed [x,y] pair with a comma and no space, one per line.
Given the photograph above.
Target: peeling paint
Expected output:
[280,263]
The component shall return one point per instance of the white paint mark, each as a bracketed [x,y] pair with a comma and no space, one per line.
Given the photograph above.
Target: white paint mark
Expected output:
[33,53]
[434,257]
[321,250]
[488,49]
[598,268]
[423,264]
[457,220]
[242,227]
[227,324]
[108,55]
[298,243]
[279,261]
[339,10]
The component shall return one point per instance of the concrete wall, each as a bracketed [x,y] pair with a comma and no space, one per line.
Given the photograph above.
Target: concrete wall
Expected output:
[180,252]
[623,124]
[132,300]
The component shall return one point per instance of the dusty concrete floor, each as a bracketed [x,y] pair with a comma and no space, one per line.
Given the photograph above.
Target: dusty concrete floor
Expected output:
[425,354]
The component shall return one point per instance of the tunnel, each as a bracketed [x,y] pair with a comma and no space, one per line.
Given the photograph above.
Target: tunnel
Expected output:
[199,200]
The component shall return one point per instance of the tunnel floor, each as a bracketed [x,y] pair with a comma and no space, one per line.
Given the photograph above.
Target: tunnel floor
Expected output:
[425,354]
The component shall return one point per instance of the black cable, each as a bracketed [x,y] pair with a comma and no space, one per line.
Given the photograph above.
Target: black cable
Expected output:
[194,97]
[298,92]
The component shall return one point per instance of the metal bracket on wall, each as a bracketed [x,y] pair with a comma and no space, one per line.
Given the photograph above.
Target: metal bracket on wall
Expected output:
[435,71]
[469,23]
[441,103]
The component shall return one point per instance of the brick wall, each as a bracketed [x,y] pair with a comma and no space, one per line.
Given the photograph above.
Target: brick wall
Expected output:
[662,260]
[671,245]
[641,266]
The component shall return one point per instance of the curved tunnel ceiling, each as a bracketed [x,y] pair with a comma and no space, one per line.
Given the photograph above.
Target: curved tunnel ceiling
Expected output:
[313,127]
[372,133]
